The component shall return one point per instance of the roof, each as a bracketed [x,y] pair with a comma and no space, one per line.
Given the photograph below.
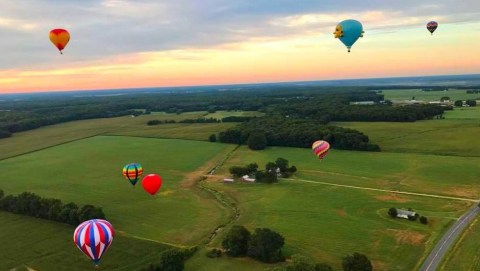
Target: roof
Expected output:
[401,212]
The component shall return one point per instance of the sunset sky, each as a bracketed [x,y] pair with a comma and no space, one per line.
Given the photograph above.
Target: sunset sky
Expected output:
[122,44]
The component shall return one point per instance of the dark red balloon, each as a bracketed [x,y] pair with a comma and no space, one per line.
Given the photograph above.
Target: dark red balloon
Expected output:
[152,183]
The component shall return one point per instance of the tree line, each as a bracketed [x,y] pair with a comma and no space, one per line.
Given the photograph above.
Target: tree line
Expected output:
[53,209]
[278,131]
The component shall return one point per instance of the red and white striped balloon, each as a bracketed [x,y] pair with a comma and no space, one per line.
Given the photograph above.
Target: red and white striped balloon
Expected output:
[93,238]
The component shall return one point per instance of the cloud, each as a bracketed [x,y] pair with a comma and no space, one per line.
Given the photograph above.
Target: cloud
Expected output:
[103,28]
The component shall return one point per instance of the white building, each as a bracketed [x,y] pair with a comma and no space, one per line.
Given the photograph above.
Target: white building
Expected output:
[247,178]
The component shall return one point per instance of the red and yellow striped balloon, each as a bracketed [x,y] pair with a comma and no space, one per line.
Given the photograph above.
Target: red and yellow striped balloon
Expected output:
[320,148]
[59,38]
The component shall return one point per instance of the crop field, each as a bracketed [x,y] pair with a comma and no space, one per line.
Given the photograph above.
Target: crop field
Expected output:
[407,94]
[45,245]
[89,172]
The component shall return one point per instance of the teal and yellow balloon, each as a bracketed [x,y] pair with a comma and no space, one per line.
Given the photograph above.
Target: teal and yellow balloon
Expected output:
[133,172]
[348,32]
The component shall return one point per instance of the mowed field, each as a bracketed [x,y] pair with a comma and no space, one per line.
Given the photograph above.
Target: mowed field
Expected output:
[456,135]
[45,245]
[407,94]
[48,136]
[90,172]
[328,222]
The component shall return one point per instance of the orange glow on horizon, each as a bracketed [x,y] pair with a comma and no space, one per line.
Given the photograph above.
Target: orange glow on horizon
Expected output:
[295,58]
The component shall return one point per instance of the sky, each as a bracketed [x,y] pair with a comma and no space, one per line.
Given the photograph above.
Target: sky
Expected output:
[159,43]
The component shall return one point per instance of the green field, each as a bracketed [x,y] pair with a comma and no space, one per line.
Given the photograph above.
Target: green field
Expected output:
[45,245]
[223,114]
[323,221]
[89,172]
[456,135]
[464,255]
[45,137]
[407,94]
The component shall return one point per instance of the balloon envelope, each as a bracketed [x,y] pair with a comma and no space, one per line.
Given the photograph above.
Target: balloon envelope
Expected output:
[133,172]
[348,32]
[320,148]
[432,26]
[93,238]
[59,38]
[152,183]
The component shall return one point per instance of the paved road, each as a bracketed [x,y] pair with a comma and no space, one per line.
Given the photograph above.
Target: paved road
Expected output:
[435,257]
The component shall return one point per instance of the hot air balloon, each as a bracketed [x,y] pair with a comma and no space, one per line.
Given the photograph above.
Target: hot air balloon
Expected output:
[152,183]
[320,148]
[133,172]
[348,32]
[93,237]
[59,38]
[432,26]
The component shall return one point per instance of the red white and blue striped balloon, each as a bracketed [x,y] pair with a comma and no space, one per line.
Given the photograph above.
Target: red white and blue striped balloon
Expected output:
[93,237]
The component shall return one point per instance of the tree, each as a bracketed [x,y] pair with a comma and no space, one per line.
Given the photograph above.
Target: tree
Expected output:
[69,214]
[392,212]
[212,138]
[1,194]
[356,262]
[266,177]
[5,134]
[172,260]
[270,166]
[257,140]
[471,102]
[282,164]
[236,241]
[88,212]
[266,245]
[423,220]
[444,98]
[252,168]
[237,171]
[458,103]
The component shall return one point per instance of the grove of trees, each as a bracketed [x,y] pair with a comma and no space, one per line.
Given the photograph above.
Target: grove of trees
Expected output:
[49,208]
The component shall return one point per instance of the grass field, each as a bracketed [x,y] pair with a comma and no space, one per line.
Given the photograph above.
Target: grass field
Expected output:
[44,137]
[45,245]
[465,254]
[407,94]
[223,114]
[392,171]
[323,221]
[89,172]
[444,137]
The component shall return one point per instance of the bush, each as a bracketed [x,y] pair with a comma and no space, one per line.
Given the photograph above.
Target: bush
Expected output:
[214,253]
[423,220]
[471,102]
[458,103]
[212,138]
[356,262]
[154,122]
[266,177]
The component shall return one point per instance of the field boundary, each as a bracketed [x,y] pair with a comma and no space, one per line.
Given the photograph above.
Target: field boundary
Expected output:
[51,146]
[386,190]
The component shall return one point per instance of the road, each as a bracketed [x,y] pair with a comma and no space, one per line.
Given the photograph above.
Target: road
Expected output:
[437,254]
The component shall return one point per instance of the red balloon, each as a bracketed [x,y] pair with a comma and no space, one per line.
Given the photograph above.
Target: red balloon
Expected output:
[152,183]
